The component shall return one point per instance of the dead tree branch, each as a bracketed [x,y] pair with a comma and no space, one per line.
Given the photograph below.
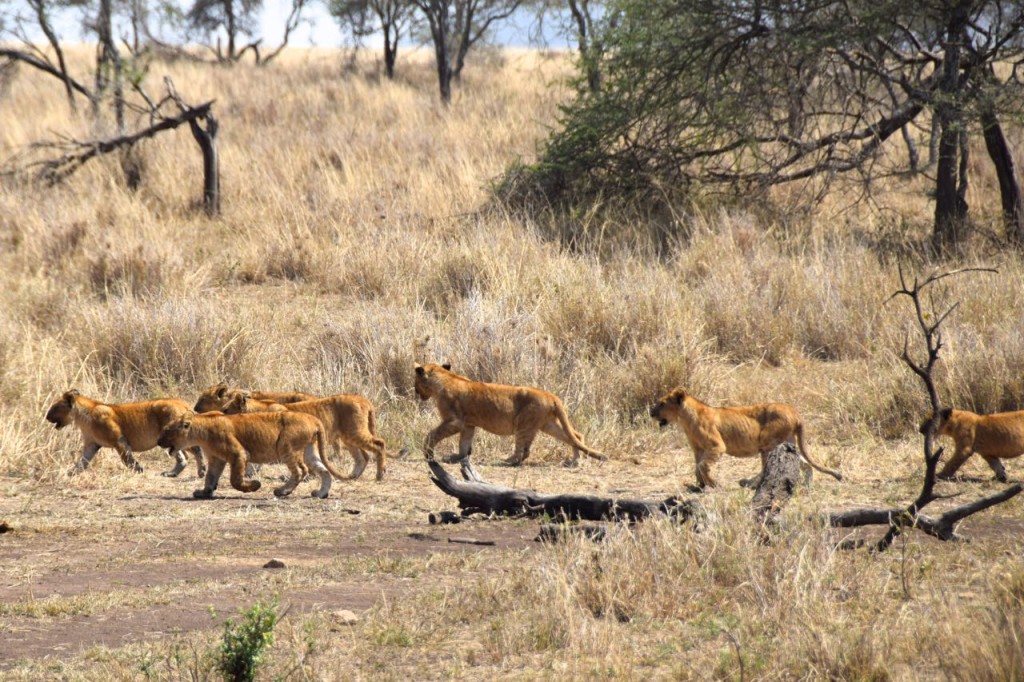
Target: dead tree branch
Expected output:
[943,527]
[35,62]
[78,153]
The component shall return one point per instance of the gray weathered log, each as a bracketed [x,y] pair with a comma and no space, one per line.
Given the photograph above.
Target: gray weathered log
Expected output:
[559,532]
[477,497]
[780,476]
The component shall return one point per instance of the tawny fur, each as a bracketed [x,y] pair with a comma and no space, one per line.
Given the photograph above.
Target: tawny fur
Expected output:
[520,411]
[349,421]
[263,438]
[125,427]
[743,431]
[217,396]
[992,436]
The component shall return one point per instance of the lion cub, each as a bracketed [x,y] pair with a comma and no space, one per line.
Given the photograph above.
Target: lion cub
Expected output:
[993,436]
[349,420]
[263,438]
[125,427]
[521,411]
[742,431]
[217,396]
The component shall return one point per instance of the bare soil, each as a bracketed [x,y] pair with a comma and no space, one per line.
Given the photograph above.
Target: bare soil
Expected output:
[109,558]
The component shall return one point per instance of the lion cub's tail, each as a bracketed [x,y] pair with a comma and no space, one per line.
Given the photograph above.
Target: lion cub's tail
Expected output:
[799,431]
[563,420]
[321,445]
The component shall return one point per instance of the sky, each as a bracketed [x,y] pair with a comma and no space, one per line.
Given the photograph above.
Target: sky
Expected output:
[317,29]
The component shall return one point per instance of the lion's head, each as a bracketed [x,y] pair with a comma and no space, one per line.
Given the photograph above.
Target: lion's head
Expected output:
[237,403]
[60,413]
[944,415]
[668,406]
[174,434]
[429,379]
[213,398]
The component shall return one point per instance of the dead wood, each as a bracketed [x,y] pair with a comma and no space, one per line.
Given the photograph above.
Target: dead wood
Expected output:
[944,526]
[478,497]
[78,153]
[471,541]
[780,476]
[559,532]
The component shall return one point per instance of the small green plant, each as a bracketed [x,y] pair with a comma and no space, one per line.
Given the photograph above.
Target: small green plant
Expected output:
[241,650]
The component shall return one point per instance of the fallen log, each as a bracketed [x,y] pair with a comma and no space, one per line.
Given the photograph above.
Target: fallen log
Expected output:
[478,497]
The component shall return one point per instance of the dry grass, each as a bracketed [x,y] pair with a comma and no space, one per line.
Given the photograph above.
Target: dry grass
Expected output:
[353,245]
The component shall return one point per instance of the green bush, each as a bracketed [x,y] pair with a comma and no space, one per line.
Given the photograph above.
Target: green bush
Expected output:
[241,650]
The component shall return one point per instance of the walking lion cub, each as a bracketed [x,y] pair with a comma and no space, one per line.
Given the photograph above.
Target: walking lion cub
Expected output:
[742,431]
[125,427]
[519,411]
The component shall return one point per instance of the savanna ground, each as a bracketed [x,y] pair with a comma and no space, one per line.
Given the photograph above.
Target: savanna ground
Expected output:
[353,245]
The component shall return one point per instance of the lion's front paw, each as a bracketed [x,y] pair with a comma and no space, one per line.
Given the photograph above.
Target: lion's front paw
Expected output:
[202,494]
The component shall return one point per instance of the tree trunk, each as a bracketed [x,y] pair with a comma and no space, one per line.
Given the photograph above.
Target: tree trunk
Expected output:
[950,207]
[229,13]
[1009,190]
[207,140]
[390,50]
[780,475]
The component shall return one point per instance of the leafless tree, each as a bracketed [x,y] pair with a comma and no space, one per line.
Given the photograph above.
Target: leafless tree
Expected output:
[455,26]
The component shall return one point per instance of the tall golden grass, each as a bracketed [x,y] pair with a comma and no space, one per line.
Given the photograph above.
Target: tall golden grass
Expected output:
[353,244]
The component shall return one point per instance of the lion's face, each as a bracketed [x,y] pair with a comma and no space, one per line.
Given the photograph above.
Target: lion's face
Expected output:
[174,435]
[428,379]
[940,428]
[212,399]
[236,404]
[668,406]
[60,413]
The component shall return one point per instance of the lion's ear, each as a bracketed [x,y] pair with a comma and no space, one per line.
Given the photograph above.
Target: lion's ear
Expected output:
[946,413]
[69,396]
[245,395]
[222,389]
[680,396]
[420,371]
[447,366]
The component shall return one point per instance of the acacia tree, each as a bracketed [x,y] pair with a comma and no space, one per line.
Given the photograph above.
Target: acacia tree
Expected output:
[366,17]
[576,21]
[755,93]
[457,25]
[237,18]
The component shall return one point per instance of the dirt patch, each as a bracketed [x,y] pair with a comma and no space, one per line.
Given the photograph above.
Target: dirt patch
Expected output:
[79,571]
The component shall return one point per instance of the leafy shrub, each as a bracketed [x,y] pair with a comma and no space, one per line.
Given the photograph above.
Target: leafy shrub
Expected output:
[241,650]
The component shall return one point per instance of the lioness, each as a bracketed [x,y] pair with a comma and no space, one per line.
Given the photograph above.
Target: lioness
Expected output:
[521,411]
[269,437]
[217,396]
[742,431]
[992,436]
[349,421]
[126,427]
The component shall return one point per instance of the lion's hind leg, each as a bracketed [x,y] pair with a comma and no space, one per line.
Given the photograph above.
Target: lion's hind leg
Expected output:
[315,465]
[360,460]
